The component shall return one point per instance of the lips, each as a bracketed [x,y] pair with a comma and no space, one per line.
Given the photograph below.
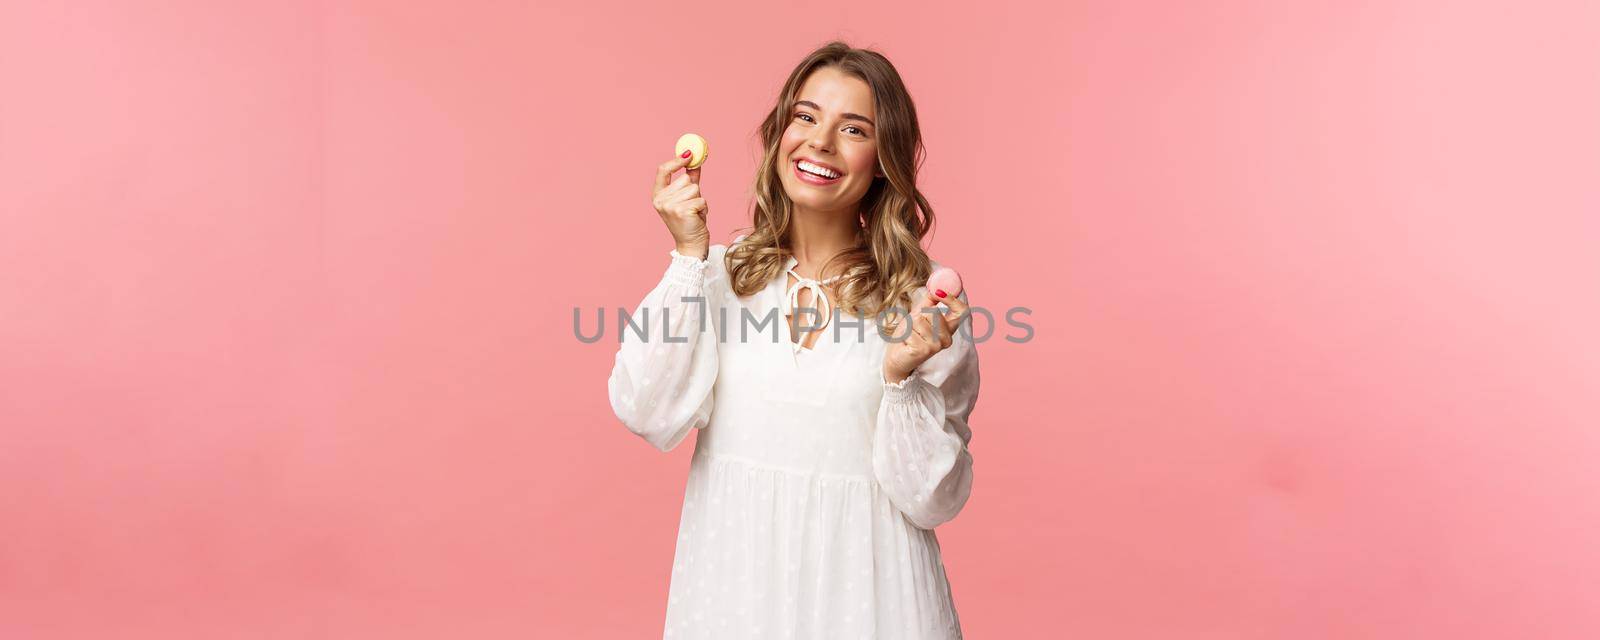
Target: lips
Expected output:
[811,178]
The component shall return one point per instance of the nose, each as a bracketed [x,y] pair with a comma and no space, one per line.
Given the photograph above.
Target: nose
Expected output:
[819,141]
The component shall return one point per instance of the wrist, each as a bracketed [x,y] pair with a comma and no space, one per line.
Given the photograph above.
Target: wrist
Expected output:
[696,251]
[893,375]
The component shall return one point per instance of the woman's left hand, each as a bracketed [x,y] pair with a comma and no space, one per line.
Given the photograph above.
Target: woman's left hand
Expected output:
[930,334]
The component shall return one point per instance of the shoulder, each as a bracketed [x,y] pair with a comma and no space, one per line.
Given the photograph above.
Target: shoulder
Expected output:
[718,252]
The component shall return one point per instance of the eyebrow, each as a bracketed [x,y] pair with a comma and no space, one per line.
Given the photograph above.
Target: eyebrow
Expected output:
[847,116]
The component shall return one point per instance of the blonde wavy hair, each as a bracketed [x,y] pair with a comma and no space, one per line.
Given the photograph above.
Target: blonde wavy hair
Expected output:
[887,264]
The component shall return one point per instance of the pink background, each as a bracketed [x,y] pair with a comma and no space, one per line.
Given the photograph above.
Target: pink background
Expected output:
[286,297]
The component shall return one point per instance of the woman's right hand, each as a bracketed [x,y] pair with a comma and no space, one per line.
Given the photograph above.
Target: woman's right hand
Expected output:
[682,207]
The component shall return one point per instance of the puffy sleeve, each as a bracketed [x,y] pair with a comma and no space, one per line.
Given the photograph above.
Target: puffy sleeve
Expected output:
[661,384]
[919,445]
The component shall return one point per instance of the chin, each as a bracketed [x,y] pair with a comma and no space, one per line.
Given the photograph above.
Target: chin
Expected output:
[817,206]
[807,201]
[804,197]
[801,197]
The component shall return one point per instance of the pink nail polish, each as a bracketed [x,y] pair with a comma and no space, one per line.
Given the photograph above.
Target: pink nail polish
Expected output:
[939,292]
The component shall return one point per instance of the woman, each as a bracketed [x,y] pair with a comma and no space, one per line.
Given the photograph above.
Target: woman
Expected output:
[826,456]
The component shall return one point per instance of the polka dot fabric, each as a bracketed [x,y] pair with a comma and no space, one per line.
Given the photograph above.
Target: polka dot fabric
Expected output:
[815,486]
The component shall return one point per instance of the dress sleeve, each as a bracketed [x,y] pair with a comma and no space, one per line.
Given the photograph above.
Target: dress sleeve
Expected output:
[919,446]
[661,384]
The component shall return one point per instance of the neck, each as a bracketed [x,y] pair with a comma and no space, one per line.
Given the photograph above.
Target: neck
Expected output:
[816,236]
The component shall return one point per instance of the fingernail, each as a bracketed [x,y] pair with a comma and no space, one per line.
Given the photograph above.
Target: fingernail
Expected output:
[938,292]
[686,154]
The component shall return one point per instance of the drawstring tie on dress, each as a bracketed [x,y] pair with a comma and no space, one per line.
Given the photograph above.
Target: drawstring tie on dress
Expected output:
[817,296]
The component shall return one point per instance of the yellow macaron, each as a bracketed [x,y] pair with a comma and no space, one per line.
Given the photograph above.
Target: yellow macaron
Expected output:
[697,148]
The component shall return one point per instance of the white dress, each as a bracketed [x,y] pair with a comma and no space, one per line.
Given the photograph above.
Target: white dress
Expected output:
[815,485]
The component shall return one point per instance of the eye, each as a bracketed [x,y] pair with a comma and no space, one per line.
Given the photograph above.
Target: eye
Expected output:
[807,116]
[858,130]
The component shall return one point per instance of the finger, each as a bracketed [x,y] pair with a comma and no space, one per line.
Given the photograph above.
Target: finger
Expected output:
[694,174]
[922,329]
[932,337]
[673,192]
[959,310]
[948,331]
[938,330]
[679,182]
[905,331]
[938,326]
[679,192]
[665,170]
[920,301]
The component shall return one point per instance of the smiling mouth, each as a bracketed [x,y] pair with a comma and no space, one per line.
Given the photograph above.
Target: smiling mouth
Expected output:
[813,174]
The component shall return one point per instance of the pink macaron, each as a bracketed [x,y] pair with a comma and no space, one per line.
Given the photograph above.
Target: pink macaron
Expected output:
[942,279]
[945,280]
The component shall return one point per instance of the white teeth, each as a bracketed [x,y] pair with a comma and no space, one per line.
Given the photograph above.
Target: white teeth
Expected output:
[811,168]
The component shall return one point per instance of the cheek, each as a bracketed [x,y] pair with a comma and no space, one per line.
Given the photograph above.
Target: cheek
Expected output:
[790,141]
[864,164]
